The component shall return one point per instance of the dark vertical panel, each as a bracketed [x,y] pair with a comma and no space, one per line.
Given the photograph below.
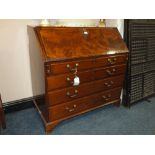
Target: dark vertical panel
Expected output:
[139,36]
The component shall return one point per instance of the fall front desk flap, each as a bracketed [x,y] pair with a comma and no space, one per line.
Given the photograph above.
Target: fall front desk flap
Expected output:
[58,43]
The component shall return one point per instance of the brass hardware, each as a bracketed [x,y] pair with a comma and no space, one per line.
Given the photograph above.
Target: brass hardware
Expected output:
[69,80]
[72,69]
[109,84]
[112,61]
[106,97]
[111,72]
[102,23]
[114,70]
[108,71]
[74,95]
[72,109]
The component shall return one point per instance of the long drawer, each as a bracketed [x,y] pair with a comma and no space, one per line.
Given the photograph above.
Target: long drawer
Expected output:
[81,65]
[66,80]
[82,104]
[71,93]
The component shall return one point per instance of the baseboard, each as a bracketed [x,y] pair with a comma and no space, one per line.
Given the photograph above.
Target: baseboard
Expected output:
[20,104]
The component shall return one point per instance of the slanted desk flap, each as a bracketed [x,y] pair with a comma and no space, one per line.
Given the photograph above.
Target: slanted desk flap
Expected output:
[74,42]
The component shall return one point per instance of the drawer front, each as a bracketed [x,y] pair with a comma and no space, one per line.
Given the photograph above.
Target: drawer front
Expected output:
[67,80]
[69,108]
[70,67]
[109,71]
[110,60]
[83,104]
[106,97]
[71,93]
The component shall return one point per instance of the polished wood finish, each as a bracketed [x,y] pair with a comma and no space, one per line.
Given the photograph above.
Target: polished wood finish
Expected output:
[66,80]
[96,55]
[111,60]
[71,93]
[2,117]
[62,43]
[69,67]
[101,73]
[71,108]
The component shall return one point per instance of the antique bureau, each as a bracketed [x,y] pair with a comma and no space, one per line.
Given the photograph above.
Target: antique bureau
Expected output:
[83,69]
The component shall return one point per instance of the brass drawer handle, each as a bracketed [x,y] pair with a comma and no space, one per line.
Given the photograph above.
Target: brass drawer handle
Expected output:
[112,61]
[71,109]
[72,96]
[72,69]
[69,80]
[106,98]
[111,72]
[109,84]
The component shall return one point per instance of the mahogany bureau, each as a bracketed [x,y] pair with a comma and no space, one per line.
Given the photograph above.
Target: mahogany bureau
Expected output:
[83,69]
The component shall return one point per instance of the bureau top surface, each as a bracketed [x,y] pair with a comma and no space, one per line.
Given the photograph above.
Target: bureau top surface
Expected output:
[63,43]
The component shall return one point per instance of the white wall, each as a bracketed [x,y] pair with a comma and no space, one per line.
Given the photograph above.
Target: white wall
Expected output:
[15,74]
[119,23]
[15,81]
